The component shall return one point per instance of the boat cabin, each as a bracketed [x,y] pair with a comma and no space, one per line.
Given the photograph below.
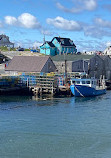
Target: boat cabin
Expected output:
[85,82]
[89,82]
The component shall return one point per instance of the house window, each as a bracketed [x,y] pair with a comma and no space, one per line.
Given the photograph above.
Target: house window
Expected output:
[71,42]
[62,42]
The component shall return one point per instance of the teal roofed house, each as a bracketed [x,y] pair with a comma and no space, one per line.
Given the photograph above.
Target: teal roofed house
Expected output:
[57,46]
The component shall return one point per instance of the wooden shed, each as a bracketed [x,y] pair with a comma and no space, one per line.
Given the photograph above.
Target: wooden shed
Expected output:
[100,65]
[31,64]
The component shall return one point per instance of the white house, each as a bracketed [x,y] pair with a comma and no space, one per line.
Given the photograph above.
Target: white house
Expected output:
[107,51]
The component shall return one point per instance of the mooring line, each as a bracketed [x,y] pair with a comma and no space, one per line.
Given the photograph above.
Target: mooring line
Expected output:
[79,91]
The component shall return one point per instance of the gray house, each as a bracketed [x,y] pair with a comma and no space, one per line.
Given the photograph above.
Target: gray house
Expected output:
[4,41]
[80,66]
[35,64]
[72,66]
[100,65]
[74,63]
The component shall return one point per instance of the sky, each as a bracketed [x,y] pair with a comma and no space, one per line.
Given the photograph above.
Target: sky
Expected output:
[86,22]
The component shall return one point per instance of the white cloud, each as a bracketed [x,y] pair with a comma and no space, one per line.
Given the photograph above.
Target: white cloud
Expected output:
[10,20]
[108,43]
[64,24]
[28,21]
[103,23]
[79,6]
[25,20]
[90,4]
[90,45]
[27,43]
[37,44]
[71,10]
[96,32]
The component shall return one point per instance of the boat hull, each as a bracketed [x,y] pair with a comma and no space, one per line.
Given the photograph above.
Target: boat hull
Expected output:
[84,91]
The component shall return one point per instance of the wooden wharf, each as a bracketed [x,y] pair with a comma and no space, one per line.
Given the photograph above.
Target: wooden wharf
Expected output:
[41,84]
[36,83]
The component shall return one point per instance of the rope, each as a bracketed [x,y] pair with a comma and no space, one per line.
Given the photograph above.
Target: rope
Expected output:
[79,92]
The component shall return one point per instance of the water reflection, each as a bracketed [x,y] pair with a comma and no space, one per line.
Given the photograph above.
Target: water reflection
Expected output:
[48,100]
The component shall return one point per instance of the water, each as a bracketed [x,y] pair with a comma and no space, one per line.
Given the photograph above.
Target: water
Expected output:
[56,127]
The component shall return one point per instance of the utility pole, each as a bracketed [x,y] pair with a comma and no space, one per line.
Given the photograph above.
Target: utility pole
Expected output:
[65,68]
[44,43]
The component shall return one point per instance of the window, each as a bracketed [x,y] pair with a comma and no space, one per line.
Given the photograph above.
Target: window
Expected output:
[77,82]
[71,42]
[92,82]
[62,42]
[83,82]
[87,82]
[73,82]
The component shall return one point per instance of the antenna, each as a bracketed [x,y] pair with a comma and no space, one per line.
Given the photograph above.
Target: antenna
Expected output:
[44,38]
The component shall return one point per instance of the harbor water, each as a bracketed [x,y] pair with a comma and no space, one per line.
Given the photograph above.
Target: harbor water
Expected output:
[60,127]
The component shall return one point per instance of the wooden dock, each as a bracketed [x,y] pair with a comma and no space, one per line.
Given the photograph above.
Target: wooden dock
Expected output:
[41,84]
[36,83]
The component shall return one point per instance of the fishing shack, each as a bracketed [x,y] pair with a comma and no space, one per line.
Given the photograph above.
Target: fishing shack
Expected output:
[35,71]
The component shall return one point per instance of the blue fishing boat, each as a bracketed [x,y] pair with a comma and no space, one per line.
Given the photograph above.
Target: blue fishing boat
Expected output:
[86,87]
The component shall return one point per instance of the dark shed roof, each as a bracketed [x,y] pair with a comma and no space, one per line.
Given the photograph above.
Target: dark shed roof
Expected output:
[27,63]
[71,57]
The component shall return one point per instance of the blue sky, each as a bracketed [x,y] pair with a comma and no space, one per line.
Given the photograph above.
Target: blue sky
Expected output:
[86,22]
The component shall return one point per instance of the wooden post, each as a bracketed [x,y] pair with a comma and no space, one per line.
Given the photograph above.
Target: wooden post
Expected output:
[65,70]
[52,88]
[27,82]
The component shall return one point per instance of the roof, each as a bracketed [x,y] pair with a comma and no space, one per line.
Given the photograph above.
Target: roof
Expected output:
[6,41]
[65,41]
[103,57]
[71,57]
[27,63]
[50,44]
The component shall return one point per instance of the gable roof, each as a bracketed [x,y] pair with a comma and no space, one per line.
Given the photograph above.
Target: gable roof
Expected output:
[27,63]
[50,44]
[103,57]
[65,41]
[7,41]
